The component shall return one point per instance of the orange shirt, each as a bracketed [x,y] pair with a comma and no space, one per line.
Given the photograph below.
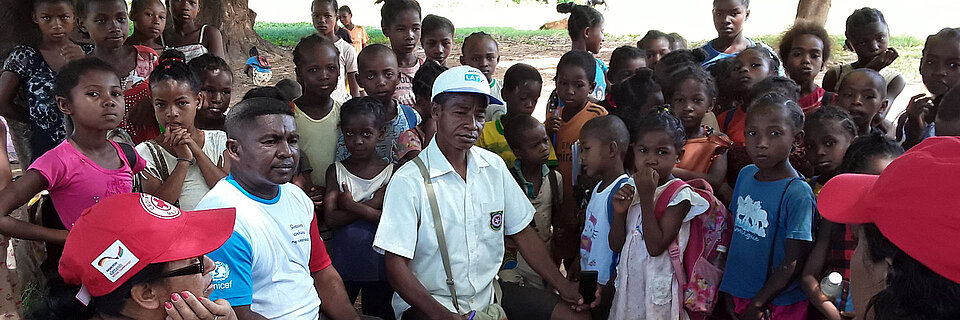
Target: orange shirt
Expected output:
[570,133]
[359,37]
[734,125]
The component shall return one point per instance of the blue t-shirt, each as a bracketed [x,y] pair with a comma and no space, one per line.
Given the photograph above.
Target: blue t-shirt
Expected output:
[253,62]
[759,210]
[595,252]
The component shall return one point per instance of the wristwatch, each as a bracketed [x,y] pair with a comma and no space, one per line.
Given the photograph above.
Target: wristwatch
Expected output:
[188,161]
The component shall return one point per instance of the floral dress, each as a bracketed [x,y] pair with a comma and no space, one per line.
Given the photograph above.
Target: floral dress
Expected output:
[36,79]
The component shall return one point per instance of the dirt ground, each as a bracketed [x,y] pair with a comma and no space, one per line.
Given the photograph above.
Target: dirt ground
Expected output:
[544,53]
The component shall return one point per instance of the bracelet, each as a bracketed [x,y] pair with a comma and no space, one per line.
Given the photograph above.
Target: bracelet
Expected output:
[188,161]
[472,314]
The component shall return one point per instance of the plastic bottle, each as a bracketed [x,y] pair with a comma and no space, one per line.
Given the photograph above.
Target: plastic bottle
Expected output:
[720,258]
[831,285]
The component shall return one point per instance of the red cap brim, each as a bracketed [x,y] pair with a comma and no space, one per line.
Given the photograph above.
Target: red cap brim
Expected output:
[207,230]
[840,197]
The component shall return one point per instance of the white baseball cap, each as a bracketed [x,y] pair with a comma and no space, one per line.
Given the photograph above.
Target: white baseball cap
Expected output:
[463,79]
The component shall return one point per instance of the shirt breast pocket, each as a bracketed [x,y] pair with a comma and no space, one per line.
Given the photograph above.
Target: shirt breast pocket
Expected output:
[491,212]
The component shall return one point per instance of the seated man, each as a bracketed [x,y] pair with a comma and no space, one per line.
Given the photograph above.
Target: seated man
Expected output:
[479,204]
[274,266]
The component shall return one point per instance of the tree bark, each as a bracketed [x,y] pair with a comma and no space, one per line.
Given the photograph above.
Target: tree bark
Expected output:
[235,21]
[814,11]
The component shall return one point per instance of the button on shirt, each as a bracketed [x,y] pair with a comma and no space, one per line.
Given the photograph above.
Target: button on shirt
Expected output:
[476,215]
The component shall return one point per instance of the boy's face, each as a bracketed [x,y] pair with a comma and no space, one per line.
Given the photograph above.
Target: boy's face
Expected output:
[728,17]
[595,155]
[217,89]
[437,44]
[319,71]
[655,50]
[770,136]
[524,98]
[863,95]
[404,34]
[630,67]
[483,54]
[656,150]
[690,102]
[805,59]
[826,144]
[345,18]
[868,41]
[107,23]
[324,18]
[379,76]
[460,119]
[940,65]
[151,20]
[534,147]
[573,85]
[749,68]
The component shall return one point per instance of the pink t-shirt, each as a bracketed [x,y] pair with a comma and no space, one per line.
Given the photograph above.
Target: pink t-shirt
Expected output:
[77,183]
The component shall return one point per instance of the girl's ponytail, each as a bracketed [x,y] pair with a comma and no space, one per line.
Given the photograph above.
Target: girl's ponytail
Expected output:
[173,66]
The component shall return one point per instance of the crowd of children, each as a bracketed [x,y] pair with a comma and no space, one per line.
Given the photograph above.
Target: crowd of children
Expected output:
[677,183]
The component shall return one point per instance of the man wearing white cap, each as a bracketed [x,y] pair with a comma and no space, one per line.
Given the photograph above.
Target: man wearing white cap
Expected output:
[478,203]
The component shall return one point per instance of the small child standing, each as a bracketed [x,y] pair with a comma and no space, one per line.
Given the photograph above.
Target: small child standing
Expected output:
[136,62]
[325,22]
[184,162]
[216,83]
[940,52]
[316,113]
[585,28]
[862,93]
[750,67]
[728,19]
[691,93]
[358,34]
[353,204]
[521,90]
[868,35]
[437,40]
[258,68]
[624,62]
[829,133]
[481,51]
[773,215]
[805,49]
[401,20]
[149,19]
[604,143]
[575,81]
[84,168]
[646,287]
[379,76]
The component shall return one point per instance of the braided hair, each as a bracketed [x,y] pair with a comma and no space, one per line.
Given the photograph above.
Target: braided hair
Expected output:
[831,113]
[173,66]
[659,119]
[581,17]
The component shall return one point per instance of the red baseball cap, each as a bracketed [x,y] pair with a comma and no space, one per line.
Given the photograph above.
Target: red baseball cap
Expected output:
[914,203]
[116,238]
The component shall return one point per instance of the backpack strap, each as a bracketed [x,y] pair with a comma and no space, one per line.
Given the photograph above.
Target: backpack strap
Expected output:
[411,116]
[674,249]
[672,189]
[129,153]
[438,224]
[828,97]
[555,191]
[776,229]
[728,119]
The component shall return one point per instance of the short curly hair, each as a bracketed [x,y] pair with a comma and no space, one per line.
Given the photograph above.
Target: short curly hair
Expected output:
[802,28]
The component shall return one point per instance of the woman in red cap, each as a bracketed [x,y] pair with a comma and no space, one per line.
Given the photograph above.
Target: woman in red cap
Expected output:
[907,221]
[135,256]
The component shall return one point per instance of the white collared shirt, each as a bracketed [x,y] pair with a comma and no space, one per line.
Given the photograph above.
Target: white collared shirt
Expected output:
[477,214]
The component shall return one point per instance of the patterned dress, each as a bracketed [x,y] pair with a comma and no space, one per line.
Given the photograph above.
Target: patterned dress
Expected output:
[36,88]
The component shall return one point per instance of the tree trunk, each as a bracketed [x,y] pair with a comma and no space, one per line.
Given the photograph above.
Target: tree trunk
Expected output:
[813,11]
[235,21]
[18,27]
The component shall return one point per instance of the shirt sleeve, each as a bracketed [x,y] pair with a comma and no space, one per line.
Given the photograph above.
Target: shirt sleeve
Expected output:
[399,223]
[233,276]
[15,62]
[517,210]
[150,165]
[51,168]
[342,152]
[350,59]
[698,204]
[319,259]
[800,206]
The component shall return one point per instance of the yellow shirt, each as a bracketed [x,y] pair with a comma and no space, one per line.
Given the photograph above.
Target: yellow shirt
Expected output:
[318,140]
[493,140]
